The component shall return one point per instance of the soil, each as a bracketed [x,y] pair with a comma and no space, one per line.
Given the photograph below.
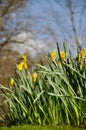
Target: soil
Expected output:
[8,60]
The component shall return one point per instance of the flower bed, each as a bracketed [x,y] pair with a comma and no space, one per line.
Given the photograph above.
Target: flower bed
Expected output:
[50,94]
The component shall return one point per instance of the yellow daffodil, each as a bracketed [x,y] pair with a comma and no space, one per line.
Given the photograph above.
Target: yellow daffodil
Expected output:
[12,82]
[83,53]
[34,76]
[24,57]
[63,55]
[22,65]
[54,55]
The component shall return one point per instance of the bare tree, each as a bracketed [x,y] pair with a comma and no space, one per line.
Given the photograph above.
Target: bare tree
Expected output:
[68,18]
[74,11]
[9,20]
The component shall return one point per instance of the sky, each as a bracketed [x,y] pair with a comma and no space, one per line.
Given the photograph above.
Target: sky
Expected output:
[47,16]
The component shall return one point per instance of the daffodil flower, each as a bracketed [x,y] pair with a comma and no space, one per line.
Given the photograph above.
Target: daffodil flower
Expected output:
[54,55]
[63,55]
[25,65]
[22,65]
[24,57]
[83,53]
[34,76]
[12,82]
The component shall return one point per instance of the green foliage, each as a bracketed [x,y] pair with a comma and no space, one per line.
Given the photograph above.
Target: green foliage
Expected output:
[56,97]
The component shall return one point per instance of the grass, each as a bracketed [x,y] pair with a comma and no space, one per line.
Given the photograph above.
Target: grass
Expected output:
[38,127]
[52,94]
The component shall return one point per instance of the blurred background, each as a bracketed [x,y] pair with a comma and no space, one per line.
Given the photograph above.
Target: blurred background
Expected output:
[33,27]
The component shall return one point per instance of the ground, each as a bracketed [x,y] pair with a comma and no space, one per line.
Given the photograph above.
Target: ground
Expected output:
[8,60]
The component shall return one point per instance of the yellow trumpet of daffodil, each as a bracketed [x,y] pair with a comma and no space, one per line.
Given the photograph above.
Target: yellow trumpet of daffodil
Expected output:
[54,55]
[12,82]
[22,65]
[34,76]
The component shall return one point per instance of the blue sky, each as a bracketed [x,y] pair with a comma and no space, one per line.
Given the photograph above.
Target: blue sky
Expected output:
[42,12]
[50,21]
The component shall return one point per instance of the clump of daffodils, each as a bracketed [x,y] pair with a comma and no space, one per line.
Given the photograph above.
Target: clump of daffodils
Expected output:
[23,64]
[63,55]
